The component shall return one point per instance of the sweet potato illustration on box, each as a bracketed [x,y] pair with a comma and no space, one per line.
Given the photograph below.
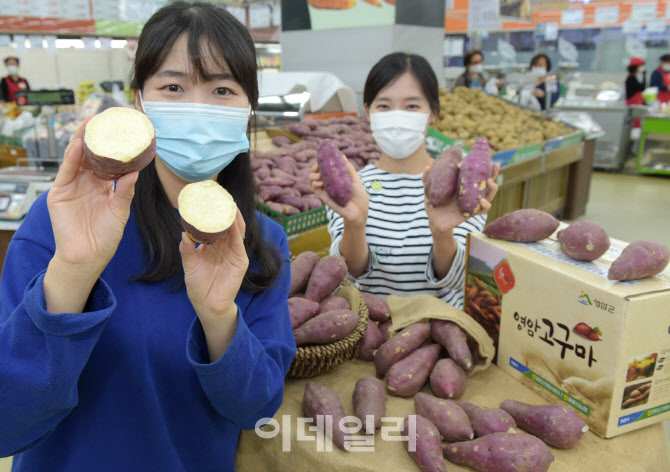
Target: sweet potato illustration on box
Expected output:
[641,368]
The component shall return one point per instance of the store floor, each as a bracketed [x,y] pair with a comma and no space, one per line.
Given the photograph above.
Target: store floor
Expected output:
[629,206]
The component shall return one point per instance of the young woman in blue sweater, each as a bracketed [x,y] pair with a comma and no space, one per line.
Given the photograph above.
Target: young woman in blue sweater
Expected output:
[123,346]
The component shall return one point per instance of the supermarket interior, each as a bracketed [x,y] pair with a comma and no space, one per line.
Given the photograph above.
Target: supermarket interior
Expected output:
[460,207]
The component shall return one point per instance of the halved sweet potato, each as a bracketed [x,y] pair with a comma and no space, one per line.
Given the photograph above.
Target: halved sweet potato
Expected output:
[207,211]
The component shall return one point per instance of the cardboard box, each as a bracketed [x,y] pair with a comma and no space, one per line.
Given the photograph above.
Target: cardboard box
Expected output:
[535,301]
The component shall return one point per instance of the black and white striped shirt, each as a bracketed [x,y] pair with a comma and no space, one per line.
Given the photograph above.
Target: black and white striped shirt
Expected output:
[400,241]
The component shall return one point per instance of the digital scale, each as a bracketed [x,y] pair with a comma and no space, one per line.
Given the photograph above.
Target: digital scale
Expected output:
[19,188]
[45,97]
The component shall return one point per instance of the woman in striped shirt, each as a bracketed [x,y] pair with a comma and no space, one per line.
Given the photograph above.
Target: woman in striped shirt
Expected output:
[392,241]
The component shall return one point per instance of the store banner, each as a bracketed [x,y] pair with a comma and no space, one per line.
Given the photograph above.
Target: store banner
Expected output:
[484,15]
[549,5]
[572,17]
[36,41]
[607,15]
[643,12]
[667,11]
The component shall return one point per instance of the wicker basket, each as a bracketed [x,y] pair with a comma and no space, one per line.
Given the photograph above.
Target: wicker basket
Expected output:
[311,361]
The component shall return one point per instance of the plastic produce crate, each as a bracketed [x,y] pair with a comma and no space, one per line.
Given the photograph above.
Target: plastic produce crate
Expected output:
[296,223]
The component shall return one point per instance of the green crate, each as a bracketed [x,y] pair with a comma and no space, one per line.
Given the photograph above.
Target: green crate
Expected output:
[296,223]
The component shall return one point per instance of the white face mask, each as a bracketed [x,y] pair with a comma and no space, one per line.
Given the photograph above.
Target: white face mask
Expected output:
[399,133]
[13,70]
[539,71]
[477,68]
[666,67]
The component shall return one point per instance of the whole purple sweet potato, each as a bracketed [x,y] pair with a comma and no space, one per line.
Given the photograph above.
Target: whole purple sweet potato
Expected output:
[369,402]
[424,444]
[268,193]
[327,275]
[447,380]
[557,425]
[326,327]
[334,173]
[301,269]
[334,303]
[370,341]
[475,171]
[305,155]
[400,346]
[639,260]
[293,201]
[303,188]
[301,310]
[406,377]
[299,129]
[501,452]
[319,400]
[290,192]
[451,421]
[584,240]
[313,201]
[281,140]
[522,226]
[288,210]
[454,340]
[488,420]
[442,179]
[377,307]
[384,329]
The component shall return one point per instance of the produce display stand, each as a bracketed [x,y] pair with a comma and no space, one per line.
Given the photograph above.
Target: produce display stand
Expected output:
[654,154]
[643,450]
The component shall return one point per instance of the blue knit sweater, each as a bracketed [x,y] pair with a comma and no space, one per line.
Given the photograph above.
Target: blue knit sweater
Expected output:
[127,385]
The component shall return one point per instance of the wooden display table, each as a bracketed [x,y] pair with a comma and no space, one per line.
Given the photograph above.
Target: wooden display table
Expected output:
[644,450]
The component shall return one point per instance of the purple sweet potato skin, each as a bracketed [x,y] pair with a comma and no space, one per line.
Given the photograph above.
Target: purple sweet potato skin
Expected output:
[522,226]
[558,426]
[300,310]
[428,449]
[371,340]
[501,452]
[475,171]
[447,380]
[333,303]
[377,307]
[282,208]
[326,327]
[488,420]
[406,377]
[584,240]
[442,179]
[454,340]
[451,421]
[400,346]
[334,173]
[369,400]
[384,329]
[321,400]
[328,273]
[640,259]
[301,268]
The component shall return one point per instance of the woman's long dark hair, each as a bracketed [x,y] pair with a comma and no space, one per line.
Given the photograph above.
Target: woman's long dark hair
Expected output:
[212,27]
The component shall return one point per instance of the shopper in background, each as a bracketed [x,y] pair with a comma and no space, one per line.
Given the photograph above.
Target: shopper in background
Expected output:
[12,83]
[393,243]
[635,82]
[122,345]
[546,84]
[661,78]
[473,77]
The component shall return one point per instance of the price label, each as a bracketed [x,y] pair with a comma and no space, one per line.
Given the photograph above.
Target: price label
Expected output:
[572,17]
[483,15]
[643,12]
[259,17]
[607,15]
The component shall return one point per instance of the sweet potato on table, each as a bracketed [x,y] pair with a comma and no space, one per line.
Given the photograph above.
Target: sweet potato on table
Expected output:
[424,445]
[334,303]
[312,201]
[269,193]
[334,173]
[293,201]
[301,268]
[327,275]
[639,260]
[501,452]
[442,179]
[326,327]
[321,400]
[454,340]
[475,171]
[406,377]
[377,307]
[451,421]
[447,380]
[584,240]
[371,340]
[301,310]
[384,329]
[369,402]
[488,420]
[558,426]
[281,140]
[400,346]
[522,226]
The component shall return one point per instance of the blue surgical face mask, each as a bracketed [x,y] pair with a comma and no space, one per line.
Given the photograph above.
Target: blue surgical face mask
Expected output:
[197,141]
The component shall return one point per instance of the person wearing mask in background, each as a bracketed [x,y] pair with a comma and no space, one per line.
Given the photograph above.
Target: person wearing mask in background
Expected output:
[473,77]
[661,78]
[635,82]
[391,240]
[12,83]
[540,66]
[123,346]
